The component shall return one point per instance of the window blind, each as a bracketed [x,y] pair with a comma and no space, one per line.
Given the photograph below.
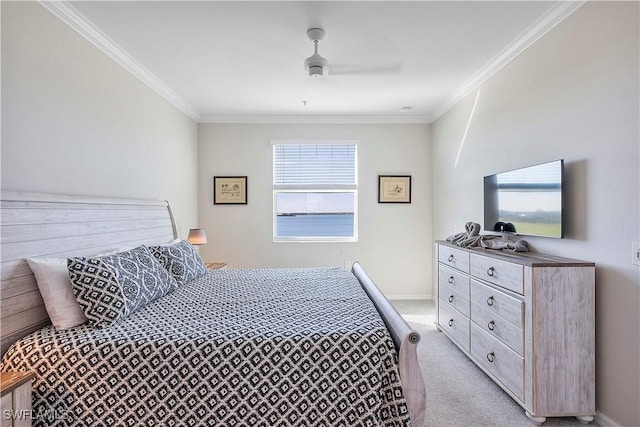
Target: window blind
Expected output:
[314,166]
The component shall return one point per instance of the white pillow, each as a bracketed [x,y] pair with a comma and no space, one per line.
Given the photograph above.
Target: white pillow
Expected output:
[52,276]
[55,287]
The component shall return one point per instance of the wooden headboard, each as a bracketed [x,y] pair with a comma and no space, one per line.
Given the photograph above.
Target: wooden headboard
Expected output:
[52,225]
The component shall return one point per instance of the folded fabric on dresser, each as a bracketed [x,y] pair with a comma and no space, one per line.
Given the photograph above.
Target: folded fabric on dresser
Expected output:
[472,238]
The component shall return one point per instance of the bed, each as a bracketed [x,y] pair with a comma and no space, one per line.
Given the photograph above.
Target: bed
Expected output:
[311,346]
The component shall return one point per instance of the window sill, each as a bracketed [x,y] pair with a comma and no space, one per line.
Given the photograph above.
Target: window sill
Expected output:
[314,240]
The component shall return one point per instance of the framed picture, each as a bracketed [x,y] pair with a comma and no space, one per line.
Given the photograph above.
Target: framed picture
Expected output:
[394,188]
[229,190]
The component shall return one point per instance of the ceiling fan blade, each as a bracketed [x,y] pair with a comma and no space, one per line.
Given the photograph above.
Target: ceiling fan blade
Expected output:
[362,69]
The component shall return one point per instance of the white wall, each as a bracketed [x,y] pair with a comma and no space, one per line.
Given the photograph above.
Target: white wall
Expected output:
[573,95]
[75,122]
[395,242]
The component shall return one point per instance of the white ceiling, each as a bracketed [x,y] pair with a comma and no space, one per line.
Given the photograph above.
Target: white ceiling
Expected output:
[243,61]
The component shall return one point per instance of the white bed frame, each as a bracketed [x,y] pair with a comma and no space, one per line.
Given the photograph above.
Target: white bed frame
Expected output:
[406,342]
[53,225]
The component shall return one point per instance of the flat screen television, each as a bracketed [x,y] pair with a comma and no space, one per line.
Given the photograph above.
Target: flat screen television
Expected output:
[526,201]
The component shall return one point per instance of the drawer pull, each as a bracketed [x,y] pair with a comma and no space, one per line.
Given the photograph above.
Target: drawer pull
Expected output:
[451,280]
[491,325]
[490,271]
[491,357]
[451,258]
[490,301]
[450,322]
[450,298]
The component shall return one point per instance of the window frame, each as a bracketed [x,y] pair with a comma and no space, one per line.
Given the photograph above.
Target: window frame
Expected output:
[313,188]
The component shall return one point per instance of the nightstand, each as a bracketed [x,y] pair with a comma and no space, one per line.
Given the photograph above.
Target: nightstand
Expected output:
[15,389]
[216,265]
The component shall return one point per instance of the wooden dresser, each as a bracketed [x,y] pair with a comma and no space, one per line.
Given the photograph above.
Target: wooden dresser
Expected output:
[527,320]
[15,408]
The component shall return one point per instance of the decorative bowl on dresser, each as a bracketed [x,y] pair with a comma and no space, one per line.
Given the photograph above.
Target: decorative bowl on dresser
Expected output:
[527,320]
[15,388]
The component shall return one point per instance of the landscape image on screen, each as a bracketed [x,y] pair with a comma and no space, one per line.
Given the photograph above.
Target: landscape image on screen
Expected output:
[529,198]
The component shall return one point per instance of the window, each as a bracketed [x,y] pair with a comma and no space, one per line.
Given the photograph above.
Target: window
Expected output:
[315,192]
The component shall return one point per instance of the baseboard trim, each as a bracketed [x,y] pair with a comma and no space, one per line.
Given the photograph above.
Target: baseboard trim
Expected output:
[603,421]
[410,297]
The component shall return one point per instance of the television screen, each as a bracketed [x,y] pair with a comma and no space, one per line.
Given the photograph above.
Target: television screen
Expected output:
[525,201]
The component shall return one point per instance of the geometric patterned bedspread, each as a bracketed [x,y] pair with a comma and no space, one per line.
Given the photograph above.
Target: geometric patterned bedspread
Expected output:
[271,347]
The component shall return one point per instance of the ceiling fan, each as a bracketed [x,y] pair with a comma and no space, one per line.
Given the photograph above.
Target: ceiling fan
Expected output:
[316,65]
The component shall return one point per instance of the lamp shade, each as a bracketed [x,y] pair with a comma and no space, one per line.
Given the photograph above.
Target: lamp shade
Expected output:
[197,236]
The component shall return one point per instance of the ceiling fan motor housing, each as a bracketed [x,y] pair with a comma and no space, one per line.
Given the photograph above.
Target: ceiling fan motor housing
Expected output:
[315,34]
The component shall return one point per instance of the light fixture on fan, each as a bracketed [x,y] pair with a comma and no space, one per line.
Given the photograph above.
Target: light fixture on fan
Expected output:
[315,64]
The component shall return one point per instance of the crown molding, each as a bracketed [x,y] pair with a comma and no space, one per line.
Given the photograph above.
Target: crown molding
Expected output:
[556,14]
[315,119]
[74,19]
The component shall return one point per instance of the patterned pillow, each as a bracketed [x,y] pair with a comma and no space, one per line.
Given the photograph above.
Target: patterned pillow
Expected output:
[181,260]
[110,288]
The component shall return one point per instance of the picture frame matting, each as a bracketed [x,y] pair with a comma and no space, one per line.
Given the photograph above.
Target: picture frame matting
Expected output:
[394,188]
[229,190]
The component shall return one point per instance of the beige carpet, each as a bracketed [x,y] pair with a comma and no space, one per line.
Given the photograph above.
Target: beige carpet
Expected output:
[459,394]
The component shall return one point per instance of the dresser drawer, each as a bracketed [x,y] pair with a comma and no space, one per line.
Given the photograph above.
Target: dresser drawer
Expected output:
[498,327]
[453,258]
[496,302]
[455,325]
[498,359]
[453,289]
[501,273]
